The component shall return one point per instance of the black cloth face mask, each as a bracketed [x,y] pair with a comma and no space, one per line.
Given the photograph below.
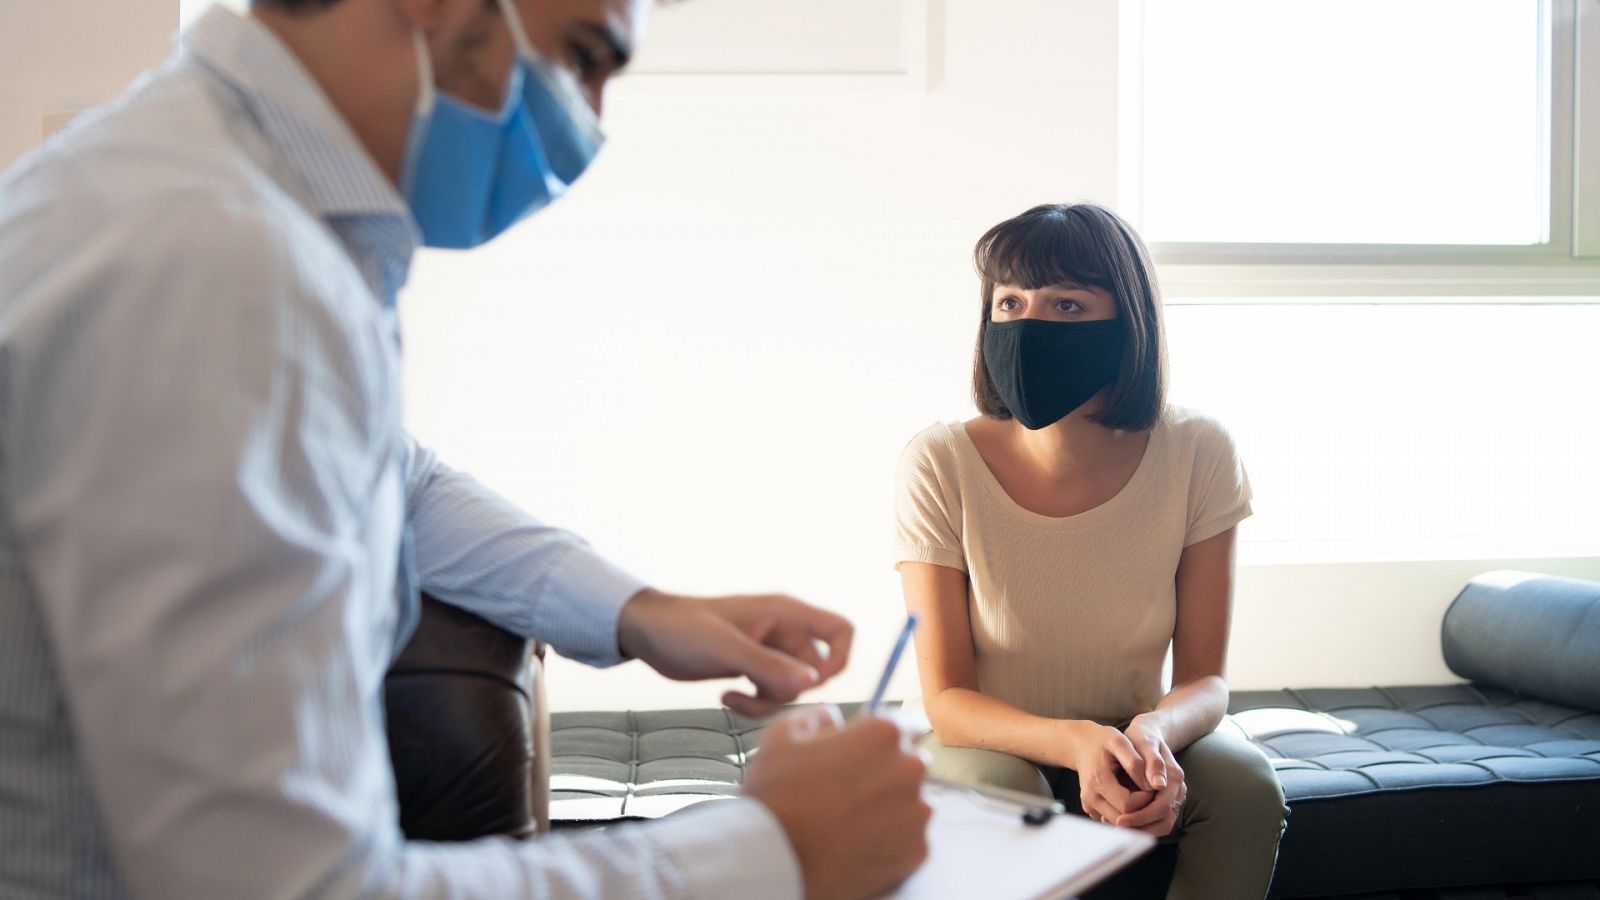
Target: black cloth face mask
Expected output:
[1045,370]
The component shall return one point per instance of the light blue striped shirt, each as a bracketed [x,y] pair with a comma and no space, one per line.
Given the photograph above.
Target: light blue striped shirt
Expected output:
[213,525]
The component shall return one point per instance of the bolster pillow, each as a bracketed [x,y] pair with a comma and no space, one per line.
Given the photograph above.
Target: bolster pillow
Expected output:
[1533,634]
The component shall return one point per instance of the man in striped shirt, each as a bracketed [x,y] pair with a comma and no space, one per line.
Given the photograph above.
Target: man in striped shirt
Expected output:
[214,529]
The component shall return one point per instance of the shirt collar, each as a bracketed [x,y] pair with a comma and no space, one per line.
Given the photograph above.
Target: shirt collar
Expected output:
[337,175]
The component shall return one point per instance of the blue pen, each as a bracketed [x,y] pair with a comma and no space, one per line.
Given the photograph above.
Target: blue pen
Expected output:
[888,670]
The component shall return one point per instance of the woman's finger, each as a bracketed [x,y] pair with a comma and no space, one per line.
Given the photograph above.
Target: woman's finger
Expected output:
[1138,800]
[1097,807]
[1103,783]
[1174,771]
[1150,815]
[1123,750]
[1159,829]
[1161,821]
[1159,807]
[1103,798]
[1156,767]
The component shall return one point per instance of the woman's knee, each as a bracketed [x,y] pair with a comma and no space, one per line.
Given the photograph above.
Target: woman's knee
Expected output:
[970,765]
[1227,773]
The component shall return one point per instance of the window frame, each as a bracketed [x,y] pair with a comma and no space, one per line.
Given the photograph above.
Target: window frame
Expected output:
[1566,264]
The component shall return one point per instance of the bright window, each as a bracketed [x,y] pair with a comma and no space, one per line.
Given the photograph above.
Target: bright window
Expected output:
[1403,430]
[1362,131]
[1361,121]
[1364,213]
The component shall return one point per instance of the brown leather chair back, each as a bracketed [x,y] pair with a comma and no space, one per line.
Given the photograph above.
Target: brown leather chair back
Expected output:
[468,730]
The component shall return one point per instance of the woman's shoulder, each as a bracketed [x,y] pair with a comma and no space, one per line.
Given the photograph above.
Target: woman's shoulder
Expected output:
[1196,431]
[933,449]
[936,437]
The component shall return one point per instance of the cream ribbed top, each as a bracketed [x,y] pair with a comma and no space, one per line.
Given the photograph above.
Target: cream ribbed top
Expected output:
[1071,617]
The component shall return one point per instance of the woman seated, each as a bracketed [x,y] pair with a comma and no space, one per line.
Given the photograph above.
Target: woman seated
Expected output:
[1057,545]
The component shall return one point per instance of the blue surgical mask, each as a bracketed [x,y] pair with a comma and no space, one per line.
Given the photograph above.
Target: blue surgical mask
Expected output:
[470,174]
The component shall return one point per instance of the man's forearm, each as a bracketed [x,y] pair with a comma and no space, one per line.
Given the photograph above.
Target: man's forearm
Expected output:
[476,550]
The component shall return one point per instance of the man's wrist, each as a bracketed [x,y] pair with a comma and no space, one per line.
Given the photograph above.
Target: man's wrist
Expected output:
[633,628]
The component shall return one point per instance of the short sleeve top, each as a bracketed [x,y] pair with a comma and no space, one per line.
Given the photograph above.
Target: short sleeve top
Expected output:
[1071,616]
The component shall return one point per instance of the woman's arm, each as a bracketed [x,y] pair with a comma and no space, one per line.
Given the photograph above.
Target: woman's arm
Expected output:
[1199,696]
[960,714]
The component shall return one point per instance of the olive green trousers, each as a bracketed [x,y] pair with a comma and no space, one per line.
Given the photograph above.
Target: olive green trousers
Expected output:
[1228,828]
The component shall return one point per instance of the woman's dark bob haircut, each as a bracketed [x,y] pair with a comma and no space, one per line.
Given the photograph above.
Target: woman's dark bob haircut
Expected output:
[1088,245]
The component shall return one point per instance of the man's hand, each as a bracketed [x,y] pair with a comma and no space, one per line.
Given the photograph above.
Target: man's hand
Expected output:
[770,639]
[848,796]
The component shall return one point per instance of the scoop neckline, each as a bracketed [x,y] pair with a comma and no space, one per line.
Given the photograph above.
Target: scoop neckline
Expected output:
[1088,517]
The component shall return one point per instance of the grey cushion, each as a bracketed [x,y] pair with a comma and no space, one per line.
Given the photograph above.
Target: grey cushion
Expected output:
[616,765]
[1534,634]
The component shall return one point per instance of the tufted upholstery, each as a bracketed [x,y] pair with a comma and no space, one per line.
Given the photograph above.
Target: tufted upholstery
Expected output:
[613,765]
[1412,787]
[1340,743]
[1390,788]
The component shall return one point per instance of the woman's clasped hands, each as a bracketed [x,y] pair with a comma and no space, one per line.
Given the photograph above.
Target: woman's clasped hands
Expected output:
[1128,778]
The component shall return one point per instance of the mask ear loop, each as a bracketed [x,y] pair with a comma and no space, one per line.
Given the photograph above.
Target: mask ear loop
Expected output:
[519,35]
[559,79]
[427,91]
[427,95]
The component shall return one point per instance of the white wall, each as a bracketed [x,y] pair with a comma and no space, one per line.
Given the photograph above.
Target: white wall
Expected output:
[709,356]
[1356,624]
[68,55]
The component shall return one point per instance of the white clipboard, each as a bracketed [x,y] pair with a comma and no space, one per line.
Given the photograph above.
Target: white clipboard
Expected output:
[977,848]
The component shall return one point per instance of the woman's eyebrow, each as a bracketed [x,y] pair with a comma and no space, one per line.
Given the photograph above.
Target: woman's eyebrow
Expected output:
[1011,289]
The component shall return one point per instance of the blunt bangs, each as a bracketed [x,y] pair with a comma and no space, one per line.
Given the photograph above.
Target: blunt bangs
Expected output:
[1091,246]
[1044,246]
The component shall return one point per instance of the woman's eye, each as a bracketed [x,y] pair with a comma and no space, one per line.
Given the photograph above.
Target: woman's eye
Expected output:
[1067,305]
[1008,304]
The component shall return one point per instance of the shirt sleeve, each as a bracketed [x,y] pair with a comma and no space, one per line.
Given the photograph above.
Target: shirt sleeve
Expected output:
[200,460]
[1219,489]
[927,509]
[480,552]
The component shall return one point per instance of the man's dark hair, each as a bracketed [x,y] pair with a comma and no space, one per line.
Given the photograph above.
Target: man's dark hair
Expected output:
[1090,245]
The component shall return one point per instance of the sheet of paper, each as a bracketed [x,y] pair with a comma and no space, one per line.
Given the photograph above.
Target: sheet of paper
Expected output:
[977,849]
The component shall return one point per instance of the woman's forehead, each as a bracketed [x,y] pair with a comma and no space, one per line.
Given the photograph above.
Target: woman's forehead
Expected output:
[1059,286]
